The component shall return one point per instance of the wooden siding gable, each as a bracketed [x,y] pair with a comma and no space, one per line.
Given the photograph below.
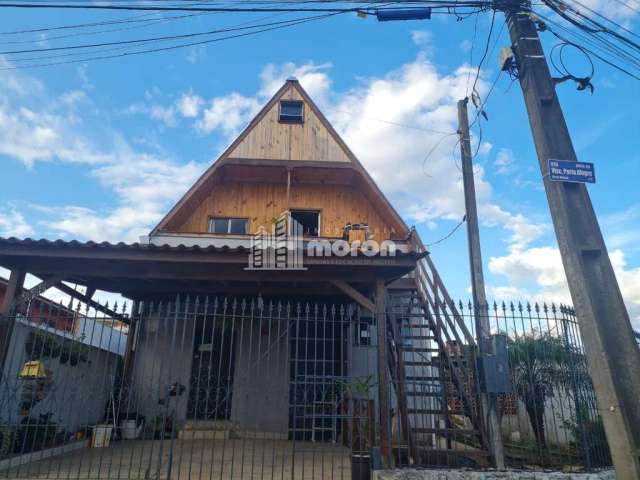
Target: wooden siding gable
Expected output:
[266,140]
[271,139]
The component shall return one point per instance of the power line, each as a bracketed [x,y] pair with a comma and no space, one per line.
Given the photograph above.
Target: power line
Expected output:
[146,23]
[593,40]
[628,6]
[473,44]
[432,3]
[596,27]
[587,38]
[174,47]
[448,235]
[621,27]
[484,54]
[143,40]
[389,122]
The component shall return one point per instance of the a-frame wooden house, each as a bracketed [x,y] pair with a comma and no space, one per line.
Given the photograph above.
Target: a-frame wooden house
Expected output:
[283,298]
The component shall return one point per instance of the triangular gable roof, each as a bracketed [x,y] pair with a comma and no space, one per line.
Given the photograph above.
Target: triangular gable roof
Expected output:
[332,150]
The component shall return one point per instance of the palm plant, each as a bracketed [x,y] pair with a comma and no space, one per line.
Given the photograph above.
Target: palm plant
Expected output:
[538,365]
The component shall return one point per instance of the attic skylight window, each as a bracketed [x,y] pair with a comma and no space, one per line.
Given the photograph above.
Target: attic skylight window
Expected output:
[291,111]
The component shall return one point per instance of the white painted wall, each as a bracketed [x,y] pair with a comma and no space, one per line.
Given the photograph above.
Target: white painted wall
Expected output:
[77,396]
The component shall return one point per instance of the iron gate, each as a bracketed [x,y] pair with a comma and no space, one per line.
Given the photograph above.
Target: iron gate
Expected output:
[212,388]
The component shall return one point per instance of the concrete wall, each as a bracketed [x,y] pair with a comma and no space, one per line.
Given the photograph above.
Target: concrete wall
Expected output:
[557,409]
[163,356]
[260,399]
[77,395]
[260,390]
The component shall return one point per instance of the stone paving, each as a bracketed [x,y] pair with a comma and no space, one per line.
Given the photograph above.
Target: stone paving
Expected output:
[463,474]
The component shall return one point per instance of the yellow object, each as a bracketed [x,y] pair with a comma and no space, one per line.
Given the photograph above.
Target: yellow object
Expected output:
[33,369]
[101,436]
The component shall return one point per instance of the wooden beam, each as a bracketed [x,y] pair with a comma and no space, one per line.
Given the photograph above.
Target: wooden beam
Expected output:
[37,290]
[91,290]
[14,287]
[93,304]
[355,295]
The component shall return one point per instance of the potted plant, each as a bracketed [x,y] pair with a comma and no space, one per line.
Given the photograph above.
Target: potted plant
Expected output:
[358,392]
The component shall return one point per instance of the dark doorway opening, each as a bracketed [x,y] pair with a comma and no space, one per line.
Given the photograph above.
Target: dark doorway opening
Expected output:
[309,221]
[212,371]
[318,370]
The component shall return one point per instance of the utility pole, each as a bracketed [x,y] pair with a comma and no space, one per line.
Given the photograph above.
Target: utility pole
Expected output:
[488,401]
[612,355]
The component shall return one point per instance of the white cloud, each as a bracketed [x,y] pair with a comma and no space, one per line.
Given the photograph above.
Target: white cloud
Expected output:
[45,128]
[621,11]
[166,115]
[538,274]
[421,37]
[619,228]
[30,135]
[13,224]
[195,54]
[466,46]
[228,114]
[313,77]
[73,97]
[504,164]
[145,187]
[155,111]
[542,265]
[189,105]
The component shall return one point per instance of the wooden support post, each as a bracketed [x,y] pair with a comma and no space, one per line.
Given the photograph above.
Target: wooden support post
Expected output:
[383,384]
[289,169]
[7,321]
[91,290]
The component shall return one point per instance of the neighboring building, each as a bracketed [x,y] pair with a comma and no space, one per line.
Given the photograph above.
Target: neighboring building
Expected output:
[56,357]
[43,311]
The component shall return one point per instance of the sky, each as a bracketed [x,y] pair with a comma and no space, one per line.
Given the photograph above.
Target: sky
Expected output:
[100,150]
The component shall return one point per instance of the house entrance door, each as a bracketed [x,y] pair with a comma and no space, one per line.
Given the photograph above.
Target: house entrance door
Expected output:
[212,371]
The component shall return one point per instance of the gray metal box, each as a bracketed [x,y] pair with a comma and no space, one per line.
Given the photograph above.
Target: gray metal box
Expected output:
[493,369]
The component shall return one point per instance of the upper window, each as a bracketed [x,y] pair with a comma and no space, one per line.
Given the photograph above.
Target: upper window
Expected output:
[291,111]
[238,226]
[308,221]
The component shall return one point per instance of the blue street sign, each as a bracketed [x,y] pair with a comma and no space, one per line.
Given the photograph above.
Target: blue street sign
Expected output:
[567,171]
